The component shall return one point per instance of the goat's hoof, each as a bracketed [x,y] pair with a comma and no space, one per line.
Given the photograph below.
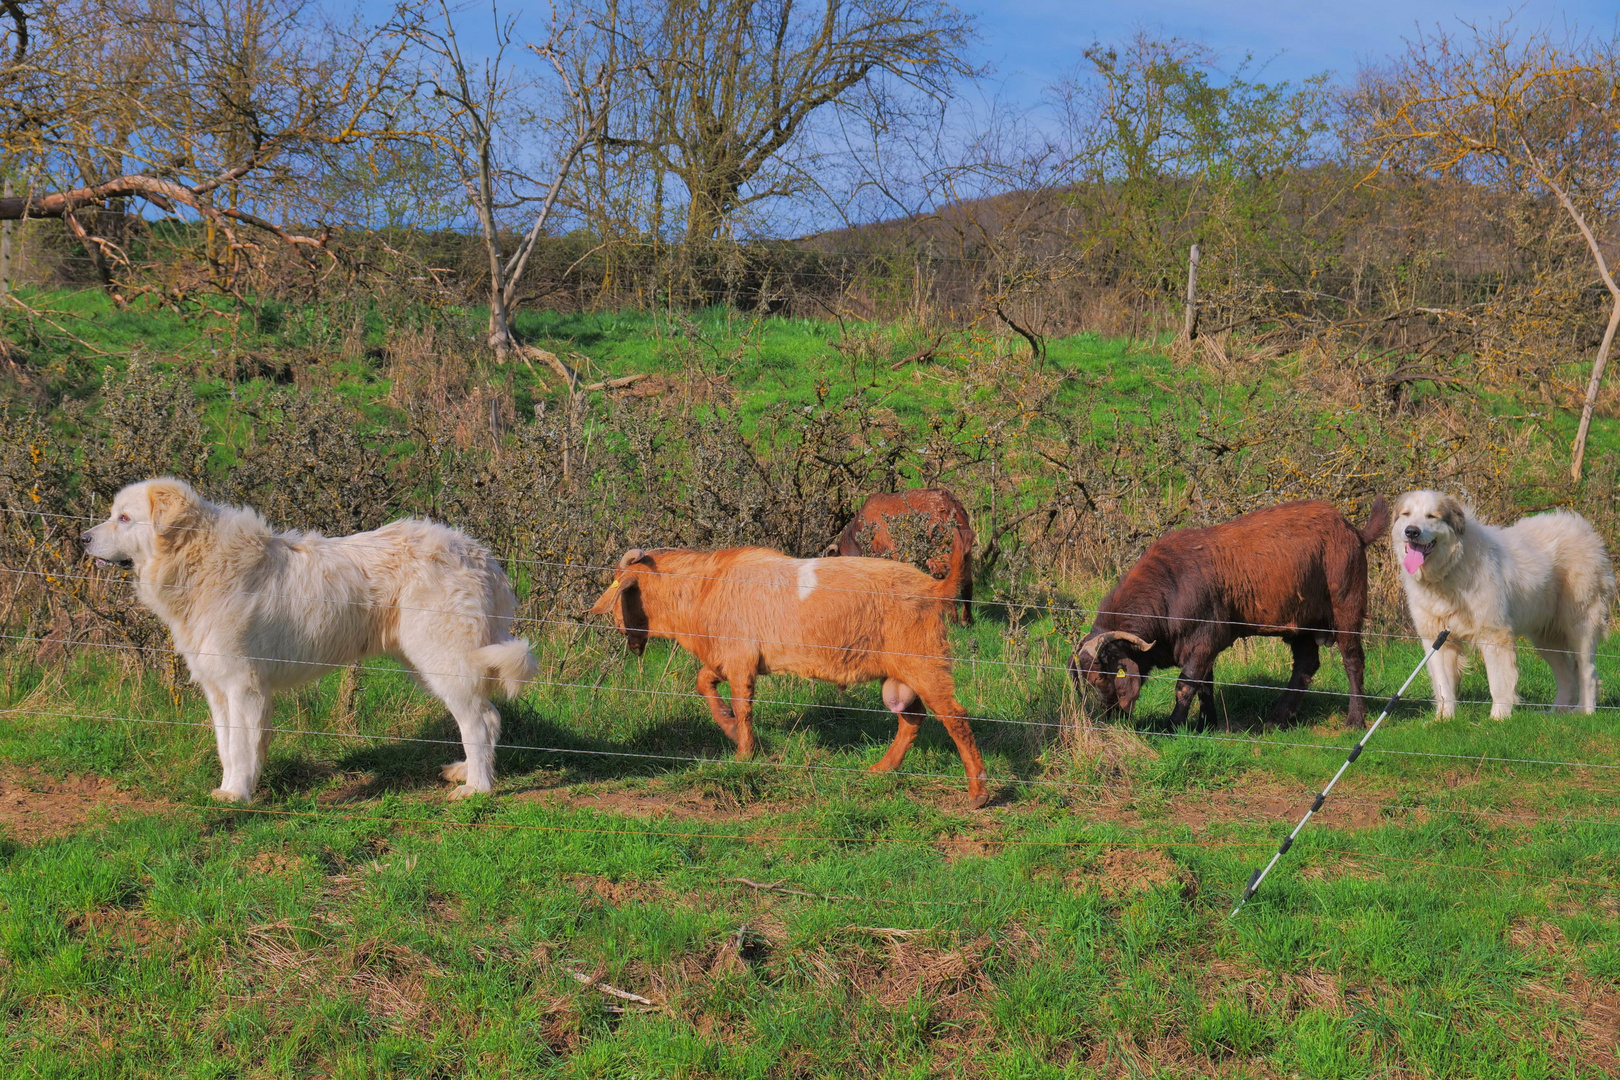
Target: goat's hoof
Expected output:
[466,791]
[220,794]
[979,802]
[455,772]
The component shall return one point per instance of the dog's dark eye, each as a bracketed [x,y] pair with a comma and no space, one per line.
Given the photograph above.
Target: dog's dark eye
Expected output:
[123,517]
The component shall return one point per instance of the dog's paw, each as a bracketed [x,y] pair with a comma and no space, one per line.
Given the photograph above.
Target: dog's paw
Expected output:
[455,772]
[219,794]
[466,791]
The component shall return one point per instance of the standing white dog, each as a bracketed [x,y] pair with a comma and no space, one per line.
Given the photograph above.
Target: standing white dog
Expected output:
[254,611]
[1545,578]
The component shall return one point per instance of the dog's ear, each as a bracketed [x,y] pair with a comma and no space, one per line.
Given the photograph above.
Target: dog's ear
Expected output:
[1452,513]
[172,505]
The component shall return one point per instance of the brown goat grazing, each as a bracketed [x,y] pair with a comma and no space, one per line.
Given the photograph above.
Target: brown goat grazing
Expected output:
[868,533]
[745,612]
[1297,571]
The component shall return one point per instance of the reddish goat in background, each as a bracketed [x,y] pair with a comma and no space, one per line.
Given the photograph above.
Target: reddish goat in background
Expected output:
[868,534]
[746,612]
[1297,571]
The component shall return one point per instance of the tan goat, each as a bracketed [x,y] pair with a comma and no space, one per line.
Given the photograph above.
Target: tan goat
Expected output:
[746,612]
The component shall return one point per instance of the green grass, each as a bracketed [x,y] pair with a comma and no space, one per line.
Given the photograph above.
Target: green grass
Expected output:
[358,924]
[1449,915]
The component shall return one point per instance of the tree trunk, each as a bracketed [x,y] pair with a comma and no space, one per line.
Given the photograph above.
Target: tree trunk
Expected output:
[1579,450]
[500,329]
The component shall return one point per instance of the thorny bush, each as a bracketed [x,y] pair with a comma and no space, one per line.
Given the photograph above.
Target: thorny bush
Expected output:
[1063,497]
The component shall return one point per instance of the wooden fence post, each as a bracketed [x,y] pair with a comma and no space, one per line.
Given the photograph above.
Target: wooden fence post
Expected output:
[1189,328]
[5,248]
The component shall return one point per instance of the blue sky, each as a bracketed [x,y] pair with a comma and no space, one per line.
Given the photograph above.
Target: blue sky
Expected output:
[1032,43]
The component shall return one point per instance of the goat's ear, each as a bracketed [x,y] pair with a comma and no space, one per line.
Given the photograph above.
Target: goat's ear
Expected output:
[1453,514]
[632,557]
[633,619]
[1128,683]
[623,578]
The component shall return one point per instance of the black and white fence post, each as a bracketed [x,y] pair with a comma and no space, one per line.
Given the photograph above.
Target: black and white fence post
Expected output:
[1355,751]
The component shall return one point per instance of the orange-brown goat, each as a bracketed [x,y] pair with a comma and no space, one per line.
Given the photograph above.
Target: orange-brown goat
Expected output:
[746,612]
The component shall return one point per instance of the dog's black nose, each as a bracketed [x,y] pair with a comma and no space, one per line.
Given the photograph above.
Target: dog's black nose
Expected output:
[1412,532]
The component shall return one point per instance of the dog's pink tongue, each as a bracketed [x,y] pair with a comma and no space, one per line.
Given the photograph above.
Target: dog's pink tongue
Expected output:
[1413,560]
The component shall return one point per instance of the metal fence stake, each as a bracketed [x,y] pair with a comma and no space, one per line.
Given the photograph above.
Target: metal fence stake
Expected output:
[1355,752]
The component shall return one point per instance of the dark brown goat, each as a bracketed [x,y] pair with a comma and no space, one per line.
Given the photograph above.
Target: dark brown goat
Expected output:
[1297,571]
[868,534]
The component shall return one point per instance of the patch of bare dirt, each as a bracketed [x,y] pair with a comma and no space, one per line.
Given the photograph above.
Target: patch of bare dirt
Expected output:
[653,804]
[1285,993]
[125,928]
[617,892]
[947,976]
[35,807]
[1123,871]
[391,978]
[1605,906]
[1120,1054]
[275,862]
[1267,800]
[1596,1009]
[1537,935]
[965,846]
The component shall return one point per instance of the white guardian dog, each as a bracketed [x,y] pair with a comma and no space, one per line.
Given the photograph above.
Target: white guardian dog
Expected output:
[1545,578]
[255,611]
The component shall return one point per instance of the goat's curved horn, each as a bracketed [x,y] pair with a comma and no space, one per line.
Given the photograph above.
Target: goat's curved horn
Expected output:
[1093,646]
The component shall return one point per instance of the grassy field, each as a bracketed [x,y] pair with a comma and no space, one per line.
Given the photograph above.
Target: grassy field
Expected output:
[631,904]
[1451,915]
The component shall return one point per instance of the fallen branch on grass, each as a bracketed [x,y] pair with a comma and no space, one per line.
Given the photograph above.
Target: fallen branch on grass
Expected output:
[923,355]
[570,375]
[613,991]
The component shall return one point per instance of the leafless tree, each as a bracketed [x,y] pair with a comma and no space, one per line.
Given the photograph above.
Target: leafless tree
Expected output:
[230,108]
[486,116]
[1505,108]
[723,92]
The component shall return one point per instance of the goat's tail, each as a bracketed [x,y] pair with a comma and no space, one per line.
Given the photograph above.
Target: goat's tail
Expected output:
[1377,522]
[958,580]
[509,665]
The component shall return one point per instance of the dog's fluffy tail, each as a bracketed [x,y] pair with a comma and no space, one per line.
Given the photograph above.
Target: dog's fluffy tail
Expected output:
[1377,522]
[508,664]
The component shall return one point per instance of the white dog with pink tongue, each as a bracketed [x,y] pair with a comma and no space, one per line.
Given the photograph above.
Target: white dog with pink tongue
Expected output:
[1545,578]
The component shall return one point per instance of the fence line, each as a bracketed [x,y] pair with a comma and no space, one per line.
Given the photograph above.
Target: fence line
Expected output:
[1544,709]
[516,619]
[783,765]
[567,565]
